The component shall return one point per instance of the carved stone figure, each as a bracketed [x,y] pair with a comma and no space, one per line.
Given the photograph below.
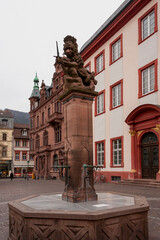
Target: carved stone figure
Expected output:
[75,75]
[43,92]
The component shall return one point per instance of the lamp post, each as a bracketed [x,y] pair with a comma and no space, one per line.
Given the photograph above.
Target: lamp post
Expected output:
[28,169]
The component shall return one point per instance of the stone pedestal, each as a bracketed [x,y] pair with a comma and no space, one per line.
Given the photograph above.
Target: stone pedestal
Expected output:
[78,135]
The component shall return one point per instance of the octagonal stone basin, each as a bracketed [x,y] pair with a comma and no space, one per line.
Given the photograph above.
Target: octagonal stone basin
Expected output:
[113,216]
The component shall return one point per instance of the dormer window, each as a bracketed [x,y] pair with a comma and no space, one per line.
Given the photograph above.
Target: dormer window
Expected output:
[4,122]
[36,104]
[24,132]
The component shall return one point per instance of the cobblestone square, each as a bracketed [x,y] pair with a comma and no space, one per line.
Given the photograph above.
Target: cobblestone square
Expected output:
[20,188]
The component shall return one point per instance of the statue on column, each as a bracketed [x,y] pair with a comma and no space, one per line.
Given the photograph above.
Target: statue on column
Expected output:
[75,75]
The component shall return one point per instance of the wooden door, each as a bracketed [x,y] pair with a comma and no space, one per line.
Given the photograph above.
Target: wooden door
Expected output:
[150,156]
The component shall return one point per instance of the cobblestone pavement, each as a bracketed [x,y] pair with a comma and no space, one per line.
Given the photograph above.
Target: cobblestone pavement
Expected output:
[20,188]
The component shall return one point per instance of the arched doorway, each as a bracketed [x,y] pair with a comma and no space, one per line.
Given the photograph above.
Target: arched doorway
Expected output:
[144,125]
[149,155]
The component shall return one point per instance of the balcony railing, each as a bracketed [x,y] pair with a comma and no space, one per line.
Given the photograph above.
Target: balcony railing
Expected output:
[56,117]
[42,149]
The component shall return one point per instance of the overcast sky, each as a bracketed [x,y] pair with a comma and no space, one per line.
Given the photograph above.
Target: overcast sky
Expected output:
[28,32]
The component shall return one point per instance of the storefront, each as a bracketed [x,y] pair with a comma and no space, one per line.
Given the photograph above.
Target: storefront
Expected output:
[22,171]
[5,168]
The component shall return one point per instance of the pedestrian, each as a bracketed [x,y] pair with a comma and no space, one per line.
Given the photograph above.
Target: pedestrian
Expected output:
[11,176]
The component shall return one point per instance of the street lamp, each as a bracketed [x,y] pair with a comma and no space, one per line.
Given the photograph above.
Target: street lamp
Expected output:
[28,169]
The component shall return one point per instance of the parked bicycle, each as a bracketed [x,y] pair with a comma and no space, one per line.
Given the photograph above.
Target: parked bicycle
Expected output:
[99,177]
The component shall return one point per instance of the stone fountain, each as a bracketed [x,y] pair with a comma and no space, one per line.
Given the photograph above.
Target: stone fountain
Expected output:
[79,213]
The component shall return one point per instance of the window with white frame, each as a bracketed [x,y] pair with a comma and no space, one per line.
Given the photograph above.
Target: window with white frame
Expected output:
[24,132]
[116,50]
[99,63]
[116,95]
[36,104]
[17,143]
[148,80]
[24,143]
[24,156]
[100,103]
[100,153]
[117,152]
[88,66]
[148,25]
[17,156]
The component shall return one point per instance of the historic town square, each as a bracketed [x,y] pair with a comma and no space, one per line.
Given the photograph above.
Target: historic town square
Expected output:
[80,120]
[21,188]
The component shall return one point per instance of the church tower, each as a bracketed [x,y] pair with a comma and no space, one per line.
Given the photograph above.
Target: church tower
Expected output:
[35,95]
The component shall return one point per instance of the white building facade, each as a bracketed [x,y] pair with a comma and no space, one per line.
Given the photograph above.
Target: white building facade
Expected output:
[124,54]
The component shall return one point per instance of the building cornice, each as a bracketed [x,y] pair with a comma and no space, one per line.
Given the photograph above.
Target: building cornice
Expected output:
[108,31]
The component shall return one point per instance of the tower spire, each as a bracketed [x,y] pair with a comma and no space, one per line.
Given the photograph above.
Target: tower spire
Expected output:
[36,82]
[35,91]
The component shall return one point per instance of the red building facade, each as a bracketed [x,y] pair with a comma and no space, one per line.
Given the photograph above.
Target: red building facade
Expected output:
[46,126]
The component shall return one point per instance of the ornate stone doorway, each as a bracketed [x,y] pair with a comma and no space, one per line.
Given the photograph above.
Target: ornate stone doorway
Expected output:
[144,126]
[149,155]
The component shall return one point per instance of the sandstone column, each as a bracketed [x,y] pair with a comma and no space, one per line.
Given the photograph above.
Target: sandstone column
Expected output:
[78,135]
